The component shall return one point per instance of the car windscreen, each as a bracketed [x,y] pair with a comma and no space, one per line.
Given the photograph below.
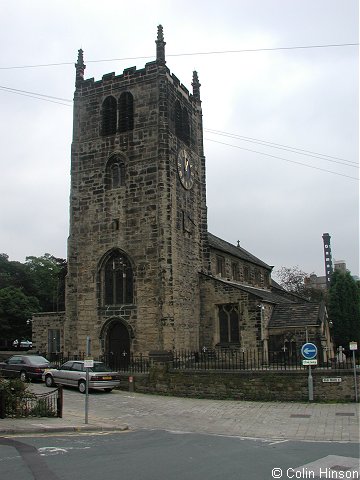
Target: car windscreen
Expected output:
[37,360]
[100,367]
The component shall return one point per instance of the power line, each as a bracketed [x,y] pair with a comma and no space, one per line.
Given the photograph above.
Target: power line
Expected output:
[288,148]
[52,99]
[281,158]
[221,52]
[37,97]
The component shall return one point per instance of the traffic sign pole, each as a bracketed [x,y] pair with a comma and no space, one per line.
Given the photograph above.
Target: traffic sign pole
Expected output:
[309,352]
[353,346]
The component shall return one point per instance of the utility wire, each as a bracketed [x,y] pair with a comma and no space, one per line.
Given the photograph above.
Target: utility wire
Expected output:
[52,99]
[281,158]
[288,148]
[221,52]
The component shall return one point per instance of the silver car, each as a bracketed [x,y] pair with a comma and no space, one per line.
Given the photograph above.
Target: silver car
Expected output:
[73,374]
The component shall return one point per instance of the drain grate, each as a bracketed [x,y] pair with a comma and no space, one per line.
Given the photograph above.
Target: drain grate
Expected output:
[340,468]
[300,415]
[345,414]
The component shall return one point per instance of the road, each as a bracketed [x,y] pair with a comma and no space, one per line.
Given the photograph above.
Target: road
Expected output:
[161,455]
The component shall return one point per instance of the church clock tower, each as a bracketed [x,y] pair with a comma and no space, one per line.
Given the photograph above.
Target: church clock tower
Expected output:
[138,221]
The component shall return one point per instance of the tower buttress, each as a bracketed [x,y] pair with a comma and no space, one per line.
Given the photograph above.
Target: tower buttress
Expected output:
[196,86]
[160,46]
[80,68]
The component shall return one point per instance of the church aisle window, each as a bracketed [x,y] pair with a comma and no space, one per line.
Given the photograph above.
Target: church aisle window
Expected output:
[229,323]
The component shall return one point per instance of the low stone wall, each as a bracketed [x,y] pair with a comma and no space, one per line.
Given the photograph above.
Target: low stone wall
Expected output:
[240,385]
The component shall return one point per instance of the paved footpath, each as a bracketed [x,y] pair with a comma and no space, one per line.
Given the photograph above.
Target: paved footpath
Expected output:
[270,420]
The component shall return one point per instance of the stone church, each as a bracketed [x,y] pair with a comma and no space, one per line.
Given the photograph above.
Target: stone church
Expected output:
[144,273]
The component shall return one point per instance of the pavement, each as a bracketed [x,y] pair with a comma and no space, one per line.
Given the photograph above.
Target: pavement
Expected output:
[122,411]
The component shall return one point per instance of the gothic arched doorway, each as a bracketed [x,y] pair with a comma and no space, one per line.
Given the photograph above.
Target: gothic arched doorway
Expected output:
[118,345]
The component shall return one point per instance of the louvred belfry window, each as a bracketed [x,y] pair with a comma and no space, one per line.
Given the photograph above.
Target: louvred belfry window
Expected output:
[108,116]
[126,112]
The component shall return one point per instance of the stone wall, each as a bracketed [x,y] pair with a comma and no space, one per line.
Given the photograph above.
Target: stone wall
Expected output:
[258,386]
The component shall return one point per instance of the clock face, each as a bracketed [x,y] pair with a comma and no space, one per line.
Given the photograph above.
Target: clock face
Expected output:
[185,166]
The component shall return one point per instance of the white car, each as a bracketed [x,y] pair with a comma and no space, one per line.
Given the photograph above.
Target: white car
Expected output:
[23,344]
[73,374]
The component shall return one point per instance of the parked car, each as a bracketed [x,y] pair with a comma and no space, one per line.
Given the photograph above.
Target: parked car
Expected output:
[73,374]
[26,367]
[22,344]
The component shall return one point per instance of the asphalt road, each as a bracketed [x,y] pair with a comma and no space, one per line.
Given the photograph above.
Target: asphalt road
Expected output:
[163,455]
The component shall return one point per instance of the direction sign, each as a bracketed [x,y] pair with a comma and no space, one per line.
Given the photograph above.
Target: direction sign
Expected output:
[310,362]
[309,351]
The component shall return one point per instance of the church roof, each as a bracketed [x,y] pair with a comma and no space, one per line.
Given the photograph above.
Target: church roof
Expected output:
[297,315]
[239,252]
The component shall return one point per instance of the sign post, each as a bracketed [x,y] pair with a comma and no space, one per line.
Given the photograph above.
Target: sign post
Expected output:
[309,352]
[353,346]
[88,363]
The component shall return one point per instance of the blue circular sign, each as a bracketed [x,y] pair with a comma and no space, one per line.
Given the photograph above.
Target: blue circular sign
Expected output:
[309,351]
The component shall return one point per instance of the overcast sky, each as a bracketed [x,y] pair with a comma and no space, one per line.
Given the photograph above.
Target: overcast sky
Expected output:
[288,117]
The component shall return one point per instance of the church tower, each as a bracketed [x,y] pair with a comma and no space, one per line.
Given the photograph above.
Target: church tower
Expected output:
[138,218]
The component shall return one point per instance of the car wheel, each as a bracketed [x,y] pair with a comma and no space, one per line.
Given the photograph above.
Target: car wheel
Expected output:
[82,386]
[49,382]
[23,376]
[107,390]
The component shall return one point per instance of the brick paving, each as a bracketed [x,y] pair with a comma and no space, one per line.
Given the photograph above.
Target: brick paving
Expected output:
[270,420]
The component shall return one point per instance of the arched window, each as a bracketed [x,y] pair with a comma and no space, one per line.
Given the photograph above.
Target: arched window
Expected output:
[117,280]
[185,126]
[108,116]
[115,172]
[178,119]
[126,112]
[229,323]
[182,124]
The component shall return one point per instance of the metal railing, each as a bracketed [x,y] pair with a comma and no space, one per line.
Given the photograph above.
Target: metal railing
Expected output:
[120,363]
[31,404]
[248,359]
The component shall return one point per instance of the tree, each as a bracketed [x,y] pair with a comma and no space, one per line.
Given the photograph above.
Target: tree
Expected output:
[47,274]
[292,279]
[344,308]
[15,309]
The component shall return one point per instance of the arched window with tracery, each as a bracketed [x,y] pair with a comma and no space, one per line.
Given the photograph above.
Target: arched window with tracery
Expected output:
[108,116]
[126,112]
[117,280]
[115,172]
[229,323]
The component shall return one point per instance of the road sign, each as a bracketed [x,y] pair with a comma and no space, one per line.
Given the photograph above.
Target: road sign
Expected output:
[88,363]
[353,346]
[332,380]
[309,351]
[310,362]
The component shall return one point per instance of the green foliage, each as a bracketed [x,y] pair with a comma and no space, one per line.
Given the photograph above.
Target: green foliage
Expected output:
[47,274]
[15,309]
[25,289]
[16,395]
[344,308]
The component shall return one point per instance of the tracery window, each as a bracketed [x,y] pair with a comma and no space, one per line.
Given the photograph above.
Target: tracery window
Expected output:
[126,112]
[117,280]
[108,116]
[229,323]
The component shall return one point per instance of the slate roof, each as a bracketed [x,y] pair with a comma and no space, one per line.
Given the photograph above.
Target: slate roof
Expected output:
[219,244]
[265,295]
[296,314]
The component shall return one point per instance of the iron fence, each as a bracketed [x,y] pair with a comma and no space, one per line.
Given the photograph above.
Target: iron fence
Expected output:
[121,363]
[248,359]
[31,404]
